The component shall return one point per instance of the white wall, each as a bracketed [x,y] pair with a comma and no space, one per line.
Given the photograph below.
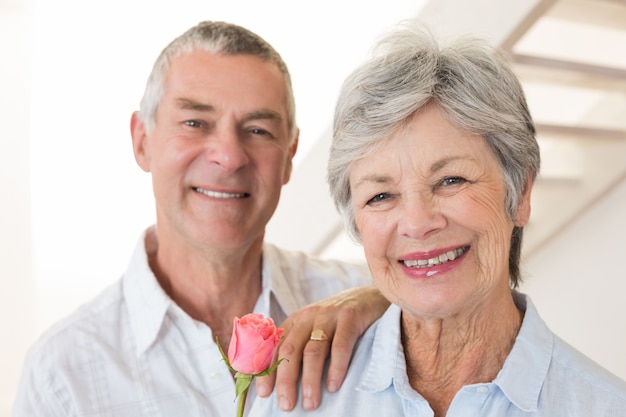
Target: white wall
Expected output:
[17,296]
[578,281]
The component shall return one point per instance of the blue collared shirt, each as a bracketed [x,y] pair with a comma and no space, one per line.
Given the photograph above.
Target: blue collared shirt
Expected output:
[542,376]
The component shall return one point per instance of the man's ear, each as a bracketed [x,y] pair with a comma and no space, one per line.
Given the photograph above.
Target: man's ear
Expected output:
[293,148]
[139,136]
[523,208]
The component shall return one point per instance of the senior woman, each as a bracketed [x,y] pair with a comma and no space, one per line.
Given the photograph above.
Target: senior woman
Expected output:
[432,165]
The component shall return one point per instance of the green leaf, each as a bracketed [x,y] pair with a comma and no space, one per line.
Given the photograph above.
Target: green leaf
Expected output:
[242,384]
[272,368]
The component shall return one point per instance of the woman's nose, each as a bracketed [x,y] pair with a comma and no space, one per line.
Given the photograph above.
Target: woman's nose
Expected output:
[421,216]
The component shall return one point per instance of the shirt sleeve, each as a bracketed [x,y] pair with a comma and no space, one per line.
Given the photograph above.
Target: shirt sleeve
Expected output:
[38,394]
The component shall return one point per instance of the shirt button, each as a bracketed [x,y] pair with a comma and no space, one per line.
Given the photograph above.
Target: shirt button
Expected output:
[482,389]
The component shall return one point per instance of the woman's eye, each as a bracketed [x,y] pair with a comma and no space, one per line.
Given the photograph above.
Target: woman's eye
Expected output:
[452,181]
[377,198]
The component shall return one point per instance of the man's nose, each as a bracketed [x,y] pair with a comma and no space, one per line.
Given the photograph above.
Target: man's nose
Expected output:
[227,149]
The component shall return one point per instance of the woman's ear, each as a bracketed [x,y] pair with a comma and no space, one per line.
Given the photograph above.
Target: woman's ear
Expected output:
[523,208]
[139,134]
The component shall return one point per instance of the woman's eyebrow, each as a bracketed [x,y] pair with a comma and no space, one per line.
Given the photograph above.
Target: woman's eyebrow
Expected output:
[373,178]
[442,163]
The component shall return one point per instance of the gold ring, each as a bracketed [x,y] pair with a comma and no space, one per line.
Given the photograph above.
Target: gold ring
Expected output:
[318,335]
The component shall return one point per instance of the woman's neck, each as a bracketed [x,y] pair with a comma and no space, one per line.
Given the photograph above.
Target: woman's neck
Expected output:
[443,355]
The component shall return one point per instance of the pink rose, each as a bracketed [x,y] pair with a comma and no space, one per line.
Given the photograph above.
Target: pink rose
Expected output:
[253,343]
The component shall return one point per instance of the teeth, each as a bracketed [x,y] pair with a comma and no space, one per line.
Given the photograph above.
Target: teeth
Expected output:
[217,194]
[437,260]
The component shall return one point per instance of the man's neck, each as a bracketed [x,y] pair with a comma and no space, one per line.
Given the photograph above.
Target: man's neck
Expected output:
[211,289]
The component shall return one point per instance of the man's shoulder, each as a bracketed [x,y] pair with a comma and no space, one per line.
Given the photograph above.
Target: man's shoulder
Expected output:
[301,263]
[298,279]
[89,322]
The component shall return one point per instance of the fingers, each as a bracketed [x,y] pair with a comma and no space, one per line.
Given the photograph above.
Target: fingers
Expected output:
[285,379]
[265,384]
[295,337]
[342,318]
[314,360]
[359,308]
[345,338]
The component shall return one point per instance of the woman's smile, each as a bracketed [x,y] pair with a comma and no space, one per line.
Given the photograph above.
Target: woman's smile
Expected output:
[422,266]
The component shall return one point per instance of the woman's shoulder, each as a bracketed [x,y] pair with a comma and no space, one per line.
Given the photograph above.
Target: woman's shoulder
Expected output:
[582,375]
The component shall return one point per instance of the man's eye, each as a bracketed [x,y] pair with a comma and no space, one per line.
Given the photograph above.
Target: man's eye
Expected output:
[193,123]
[378,198]
[256,131]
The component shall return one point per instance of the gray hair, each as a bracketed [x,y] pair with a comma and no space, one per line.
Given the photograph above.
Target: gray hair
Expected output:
[217,38]
[471,82]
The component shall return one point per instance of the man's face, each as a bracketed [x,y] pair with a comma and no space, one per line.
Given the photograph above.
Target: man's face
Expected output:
[220,150]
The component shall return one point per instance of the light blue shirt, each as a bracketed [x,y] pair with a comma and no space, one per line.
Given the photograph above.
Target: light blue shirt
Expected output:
[542,376]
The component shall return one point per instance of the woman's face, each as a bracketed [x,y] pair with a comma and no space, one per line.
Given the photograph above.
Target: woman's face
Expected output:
[430,209]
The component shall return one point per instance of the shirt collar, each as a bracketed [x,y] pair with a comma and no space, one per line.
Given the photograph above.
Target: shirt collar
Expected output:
[526,367]
[148,304]
[146,301]
[387,362]
[520,378]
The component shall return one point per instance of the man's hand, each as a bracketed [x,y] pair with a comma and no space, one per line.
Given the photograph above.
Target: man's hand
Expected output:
[343,317]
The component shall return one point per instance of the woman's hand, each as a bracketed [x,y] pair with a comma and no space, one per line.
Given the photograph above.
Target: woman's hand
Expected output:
[343,318]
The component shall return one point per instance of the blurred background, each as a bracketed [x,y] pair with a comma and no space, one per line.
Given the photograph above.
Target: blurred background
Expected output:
[74,202]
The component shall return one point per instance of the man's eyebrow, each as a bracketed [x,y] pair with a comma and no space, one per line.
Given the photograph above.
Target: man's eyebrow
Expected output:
[187,104]
[264,114]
